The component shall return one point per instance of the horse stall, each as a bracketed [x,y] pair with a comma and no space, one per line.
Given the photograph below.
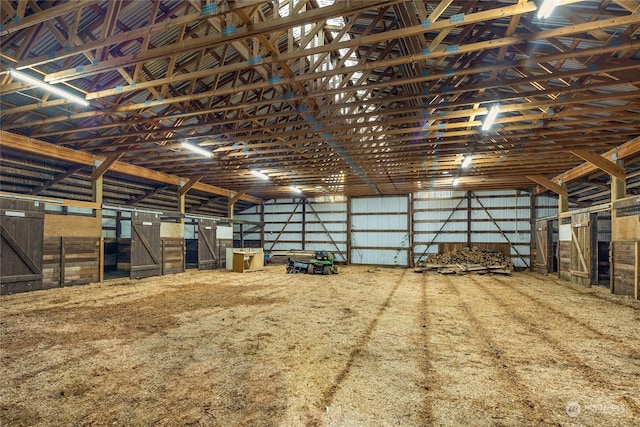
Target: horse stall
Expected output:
[22,230]
[48,245]
[140,244]
[201,251]
[625,247]
[206,242]
[584,238]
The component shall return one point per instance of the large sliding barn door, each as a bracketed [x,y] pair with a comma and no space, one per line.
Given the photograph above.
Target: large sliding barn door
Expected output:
[584,253]
[146,257]
[207,258]
[22,231]
[544,246]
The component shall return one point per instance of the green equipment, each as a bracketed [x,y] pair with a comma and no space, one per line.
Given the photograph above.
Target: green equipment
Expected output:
[323,263]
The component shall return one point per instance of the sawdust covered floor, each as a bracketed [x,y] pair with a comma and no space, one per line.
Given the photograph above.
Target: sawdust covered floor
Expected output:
[368,347]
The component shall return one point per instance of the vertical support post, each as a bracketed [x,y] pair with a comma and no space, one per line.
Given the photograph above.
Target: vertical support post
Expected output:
[563,202]
[618,191]
[182,207]
[636,272]
[410,230]
[304,220]
[262,229]
[97,191]
[468,218]
[162,254]
[101,260]
[62,261]
[347,257]
[241,236]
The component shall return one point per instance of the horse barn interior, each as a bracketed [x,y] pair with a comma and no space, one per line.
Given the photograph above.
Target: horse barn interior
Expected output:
[470,170]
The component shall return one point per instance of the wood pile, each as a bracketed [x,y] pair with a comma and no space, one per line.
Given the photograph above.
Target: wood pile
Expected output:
[467,260]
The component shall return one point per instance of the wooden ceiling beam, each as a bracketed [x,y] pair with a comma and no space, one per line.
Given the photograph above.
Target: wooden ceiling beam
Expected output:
[601,163]
[314,15]
[630,148]
[185,187]
[105,165]
[37,18]
[22,143]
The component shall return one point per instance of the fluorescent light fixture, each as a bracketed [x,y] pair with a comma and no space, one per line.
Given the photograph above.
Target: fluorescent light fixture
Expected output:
[295,189]
[46,86]
[467,161]
[456,181]
[491,117]
[259,174]
[197,149]
[545,9]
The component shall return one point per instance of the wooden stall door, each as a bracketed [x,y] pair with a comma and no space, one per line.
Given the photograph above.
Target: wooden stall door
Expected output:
[146,259]
[207,253]
[544,246]
[22,231]
[584,253]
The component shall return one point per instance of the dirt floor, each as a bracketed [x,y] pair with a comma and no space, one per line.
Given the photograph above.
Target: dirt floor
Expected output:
[368,347]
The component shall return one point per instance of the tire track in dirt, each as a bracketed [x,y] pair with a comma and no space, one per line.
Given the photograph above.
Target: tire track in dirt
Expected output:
[572,319]
[427,367]
[534,408]
[328,395]
[570,358]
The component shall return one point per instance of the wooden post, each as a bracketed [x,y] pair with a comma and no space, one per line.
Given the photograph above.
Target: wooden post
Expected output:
[101,260]
[304,220]
[563,203]
[636,273]
[182,207]
[62,261]
[162,254]
[262,229]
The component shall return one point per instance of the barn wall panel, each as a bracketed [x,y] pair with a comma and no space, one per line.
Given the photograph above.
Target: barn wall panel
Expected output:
[380,230]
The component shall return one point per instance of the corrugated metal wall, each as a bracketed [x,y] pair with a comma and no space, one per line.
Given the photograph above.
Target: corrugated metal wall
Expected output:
[380,230]
[438,217]
[326,228]
[503,216]
[298,224]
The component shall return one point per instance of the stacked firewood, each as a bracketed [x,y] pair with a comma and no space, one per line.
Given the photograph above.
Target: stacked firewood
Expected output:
[467,260]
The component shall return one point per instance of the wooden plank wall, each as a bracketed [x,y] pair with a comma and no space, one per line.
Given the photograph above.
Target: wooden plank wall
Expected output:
[564,259]
[625,248]
[173,251]
[123,259]
[624,269]
[70,261]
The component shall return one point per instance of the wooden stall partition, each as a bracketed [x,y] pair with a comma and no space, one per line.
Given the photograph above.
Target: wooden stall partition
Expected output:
[21,231]
[172,255]
[208,257]
[146,255]
[544,247]
[625,248]
[70,261]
